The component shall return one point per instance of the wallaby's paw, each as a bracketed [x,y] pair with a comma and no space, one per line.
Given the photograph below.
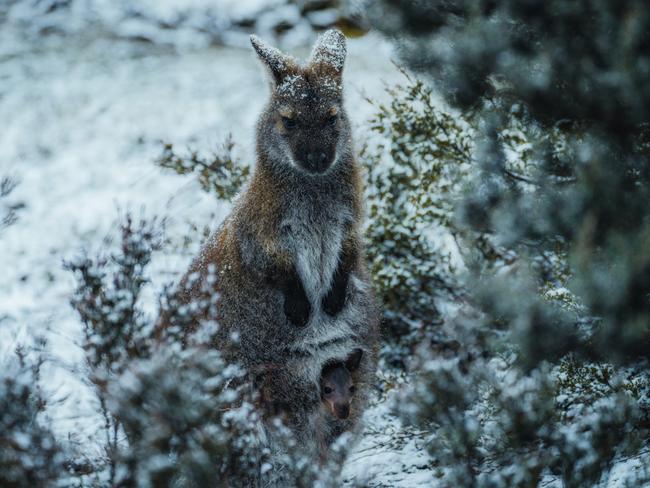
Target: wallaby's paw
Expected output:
[297,311]
[334,301]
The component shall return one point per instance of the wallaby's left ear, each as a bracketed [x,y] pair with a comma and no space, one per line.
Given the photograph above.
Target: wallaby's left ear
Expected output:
[330,50]
[353,361]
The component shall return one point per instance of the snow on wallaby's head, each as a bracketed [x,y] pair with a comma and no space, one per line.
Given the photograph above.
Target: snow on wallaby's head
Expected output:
[304,127]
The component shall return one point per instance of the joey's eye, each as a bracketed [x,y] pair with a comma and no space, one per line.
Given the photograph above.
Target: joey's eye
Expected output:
[288,123]
[331,120]
[353,389]
[327,390]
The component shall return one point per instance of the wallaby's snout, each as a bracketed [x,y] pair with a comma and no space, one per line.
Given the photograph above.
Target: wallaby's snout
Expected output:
[317,161]
[313,135]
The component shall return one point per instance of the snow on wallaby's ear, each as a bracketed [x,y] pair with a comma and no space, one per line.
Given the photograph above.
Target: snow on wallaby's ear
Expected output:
[353,361]
[330,50]
[278,63]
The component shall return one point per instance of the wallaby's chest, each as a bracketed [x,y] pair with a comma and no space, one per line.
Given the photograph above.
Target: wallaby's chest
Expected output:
[314,237]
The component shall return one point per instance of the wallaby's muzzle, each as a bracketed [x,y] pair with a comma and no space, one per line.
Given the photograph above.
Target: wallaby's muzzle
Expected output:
[342,410]
[316,162]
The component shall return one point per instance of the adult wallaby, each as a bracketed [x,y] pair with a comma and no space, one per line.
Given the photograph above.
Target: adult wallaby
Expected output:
[288,261]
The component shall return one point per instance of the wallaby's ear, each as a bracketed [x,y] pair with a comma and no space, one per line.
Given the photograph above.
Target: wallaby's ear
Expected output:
[278,63]
[330,50]
[353,361]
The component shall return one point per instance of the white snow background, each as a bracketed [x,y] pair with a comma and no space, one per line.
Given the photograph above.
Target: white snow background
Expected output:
[84,117]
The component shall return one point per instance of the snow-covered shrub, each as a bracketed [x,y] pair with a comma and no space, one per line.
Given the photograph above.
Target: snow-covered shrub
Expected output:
[496,425]
[413,169]
[550,376]
[185,425]
[418,164]
[115,328]
[221,173]
[29,453]
[175,413]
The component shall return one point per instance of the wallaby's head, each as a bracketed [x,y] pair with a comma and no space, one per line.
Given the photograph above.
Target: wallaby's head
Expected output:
[304,126]
[337,386]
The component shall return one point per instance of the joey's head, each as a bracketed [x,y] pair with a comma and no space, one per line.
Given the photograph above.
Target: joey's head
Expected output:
[304,126]
[337,386]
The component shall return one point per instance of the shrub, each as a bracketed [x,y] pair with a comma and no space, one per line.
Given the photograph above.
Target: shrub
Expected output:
[220,174]
[553,334]
[29,453]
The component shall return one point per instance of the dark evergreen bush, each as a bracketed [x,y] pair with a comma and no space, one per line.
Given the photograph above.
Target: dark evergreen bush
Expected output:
[550,375]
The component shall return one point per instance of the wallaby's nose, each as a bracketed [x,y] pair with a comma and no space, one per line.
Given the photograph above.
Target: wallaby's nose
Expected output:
[316,160]
[342,410]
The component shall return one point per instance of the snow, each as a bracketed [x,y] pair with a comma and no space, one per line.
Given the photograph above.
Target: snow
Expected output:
[388,454]
[178,23]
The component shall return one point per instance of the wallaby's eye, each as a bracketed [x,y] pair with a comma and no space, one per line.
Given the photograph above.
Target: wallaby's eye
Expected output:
[327,390]
[331,120]
[288,123]
[353,389]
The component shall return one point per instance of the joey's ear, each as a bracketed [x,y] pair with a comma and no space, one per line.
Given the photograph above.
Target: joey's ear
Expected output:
[353,361]
[330,51]
[278,63]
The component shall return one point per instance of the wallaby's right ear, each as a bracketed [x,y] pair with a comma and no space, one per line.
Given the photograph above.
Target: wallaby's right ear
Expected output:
[353,361]
[278,63]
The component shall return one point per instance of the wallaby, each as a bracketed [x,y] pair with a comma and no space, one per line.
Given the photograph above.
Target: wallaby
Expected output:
[337,386]
[288,261]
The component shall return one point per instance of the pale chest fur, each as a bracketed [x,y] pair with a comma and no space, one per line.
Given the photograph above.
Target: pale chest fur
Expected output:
[314,236]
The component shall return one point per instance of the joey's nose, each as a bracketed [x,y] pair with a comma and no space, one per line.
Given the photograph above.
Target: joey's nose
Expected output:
[342,410]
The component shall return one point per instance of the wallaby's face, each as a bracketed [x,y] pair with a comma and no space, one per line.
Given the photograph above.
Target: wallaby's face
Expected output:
[304,126]
[337,386]
[337,390]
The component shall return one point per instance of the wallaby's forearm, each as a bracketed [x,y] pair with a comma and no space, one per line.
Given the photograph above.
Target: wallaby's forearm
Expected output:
[335,298]
[296,304]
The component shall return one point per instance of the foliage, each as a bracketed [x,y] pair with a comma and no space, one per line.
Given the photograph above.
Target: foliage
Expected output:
[107,294]
[418,166]
[412,170]
[221,174]
[29,453]
[553,328]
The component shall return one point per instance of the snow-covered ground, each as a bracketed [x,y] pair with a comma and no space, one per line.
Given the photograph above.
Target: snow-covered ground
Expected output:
[83,120]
